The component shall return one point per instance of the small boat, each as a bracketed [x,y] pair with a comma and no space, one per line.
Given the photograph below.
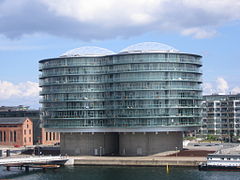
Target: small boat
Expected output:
[221,162]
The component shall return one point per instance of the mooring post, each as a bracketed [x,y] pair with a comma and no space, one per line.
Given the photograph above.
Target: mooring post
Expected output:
[26,168]
[8,168]
[167,169]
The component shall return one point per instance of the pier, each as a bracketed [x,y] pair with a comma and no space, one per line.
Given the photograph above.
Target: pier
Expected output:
[34,162]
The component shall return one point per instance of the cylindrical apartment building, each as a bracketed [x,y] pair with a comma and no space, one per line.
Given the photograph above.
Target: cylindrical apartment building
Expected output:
[135,102]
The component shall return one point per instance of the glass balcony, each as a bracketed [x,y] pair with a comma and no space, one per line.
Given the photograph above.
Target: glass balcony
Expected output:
[122,90]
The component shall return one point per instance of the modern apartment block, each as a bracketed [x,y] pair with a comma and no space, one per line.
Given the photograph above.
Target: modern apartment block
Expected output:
[221,116]
[135,102]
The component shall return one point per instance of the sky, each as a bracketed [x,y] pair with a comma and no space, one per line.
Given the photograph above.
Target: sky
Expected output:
[31,30]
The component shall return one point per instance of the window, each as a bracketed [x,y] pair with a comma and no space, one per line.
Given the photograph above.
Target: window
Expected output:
[4,136]
[25,132]
[25,140]
[46,136]
[29,139]
[0,136]
[50,136]
[29,131]
[14,136]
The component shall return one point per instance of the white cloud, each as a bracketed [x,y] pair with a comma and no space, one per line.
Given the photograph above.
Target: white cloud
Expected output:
[191,17]
[236,90]
[8,90]
[29,89]
[220,86]
[208,88]
[95,19]
[19,47]
[199,33]
[23,93]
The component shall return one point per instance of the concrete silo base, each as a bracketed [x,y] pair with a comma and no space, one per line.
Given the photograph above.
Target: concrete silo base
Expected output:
[89,144]
[123,144]
[132,144]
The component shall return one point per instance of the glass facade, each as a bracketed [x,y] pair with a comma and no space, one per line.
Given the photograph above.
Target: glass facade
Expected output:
[122,91]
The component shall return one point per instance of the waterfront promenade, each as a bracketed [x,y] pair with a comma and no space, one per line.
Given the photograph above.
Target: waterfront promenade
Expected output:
[191,156]
[171,158]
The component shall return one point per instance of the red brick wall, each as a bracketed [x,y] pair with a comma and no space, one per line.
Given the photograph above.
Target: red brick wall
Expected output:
[27,131]
[7,135]
[49,138]
[13,135]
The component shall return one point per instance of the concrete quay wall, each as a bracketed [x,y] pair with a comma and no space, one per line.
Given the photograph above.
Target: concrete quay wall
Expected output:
[129,161]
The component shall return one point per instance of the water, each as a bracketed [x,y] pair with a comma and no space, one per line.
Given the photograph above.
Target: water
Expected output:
[119,173]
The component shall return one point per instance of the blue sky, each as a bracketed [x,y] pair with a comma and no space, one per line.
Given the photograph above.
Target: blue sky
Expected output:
[31,30]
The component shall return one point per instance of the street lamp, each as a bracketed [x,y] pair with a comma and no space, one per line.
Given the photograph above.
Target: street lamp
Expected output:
[100,151]
[176,151]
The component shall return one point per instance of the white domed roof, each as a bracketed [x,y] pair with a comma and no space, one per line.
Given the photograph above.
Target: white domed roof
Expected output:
[148,47]
[87,51]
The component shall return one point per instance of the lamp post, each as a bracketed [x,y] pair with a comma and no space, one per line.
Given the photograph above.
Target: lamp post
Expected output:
[100,151]
[176,151]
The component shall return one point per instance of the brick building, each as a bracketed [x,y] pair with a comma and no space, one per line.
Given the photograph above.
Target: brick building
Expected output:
[49,138]
[16,131]
[40,136]
[24,111]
